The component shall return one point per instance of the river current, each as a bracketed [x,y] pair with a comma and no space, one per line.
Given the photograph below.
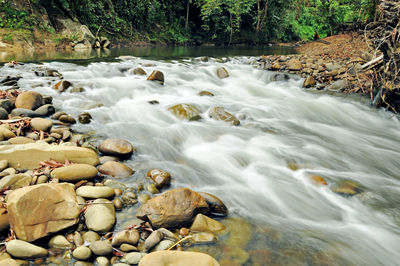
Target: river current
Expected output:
[278,215]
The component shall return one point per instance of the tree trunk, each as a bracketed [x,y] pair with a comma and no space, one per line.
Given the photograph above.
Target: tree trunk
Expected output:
[187,15]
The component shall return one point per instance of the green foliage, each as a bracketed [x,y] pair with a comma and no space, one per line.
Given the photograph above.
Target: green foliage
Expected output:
[8,38]
[11,17]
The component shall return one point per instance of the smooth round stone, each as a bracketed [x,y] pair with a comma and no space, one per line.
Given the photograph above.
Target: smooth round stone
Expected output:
[41,179]
[160,177]
[206,93]
[57,115]
[95,192]
[74,172]
[90,236]
[116,147]
[20,140]
[222,73]
[163,245]
[184,231]
[154,238]
[101,248]
[84,118]
[115,169]
[6,132]
[178,258]
[24,250]
[133,258]
[347,188]
[41,124]
[77,239]
[9,262]
[82,253]
[102,261]
[125,236]
[104,159]
[117,203]
[128,248]
[152,189]
[45,110]
[100,216]
[67,119]
[29,100]
[59,241]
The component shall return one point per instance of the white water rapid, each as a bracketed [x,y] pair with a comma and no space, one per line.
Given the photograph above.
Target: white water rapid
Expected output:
[246,166]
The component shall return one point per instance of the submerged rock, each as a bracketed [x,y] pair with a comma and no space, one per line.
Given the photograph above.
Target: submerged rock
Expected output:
[222,73]
[219,113]
[203,223]
[178,258]
[206,93]
[217,207]
[139,71]
[28,156]
[157,76]
[115,169]
[173,208]
[62,85]
[185,111]
[54,206]
[347,188]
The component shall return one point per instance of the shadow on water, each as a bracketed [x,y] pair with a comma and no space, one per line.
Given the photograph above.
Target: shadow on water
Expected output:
[148,52]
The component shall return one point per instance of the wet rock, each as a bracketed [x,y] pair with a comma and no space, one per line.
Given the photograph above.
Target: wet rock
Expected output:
[102,261]
[143,198]
[59,241]
[125,237]
[178,258]
[275,66]
[206,93]
[24,250]
[55,207]
[15,181]
[20,140]
[47,99]
[157,76]
[204,238]
[115,169]
[173,208]
[154,238]
[104,159]
[222,73]
[101,248]
[62,85]
[22,112]
[338,85]
[3,114]
[139,71]
[74,172]
[77,89]
[100,216]
[318,180]
[280,77]
[217,207]
[4,221]
[309,82]
[67,119]
[90,236]
[203,223]
[82,253]
[160,177]
[184,231]
[57,115]
[84,118]
[45,110]
[347,188]
[294,65]
[133,258]
[30,100]
[152,189]
[6,104]
[163,245]
[240,232]
[186,111]
[219,113]
[9,262]
[128,248]
[41,124]
[116,147]
[95,192]
[154,102]
[28,156]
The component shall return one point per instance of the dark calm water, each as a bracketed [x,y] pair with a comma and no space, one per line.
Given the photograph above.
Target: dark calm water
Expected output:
[148,52]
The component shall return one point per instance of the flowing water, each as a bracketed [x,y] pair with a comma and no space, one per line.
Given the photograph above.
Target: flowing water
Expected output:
[260,169]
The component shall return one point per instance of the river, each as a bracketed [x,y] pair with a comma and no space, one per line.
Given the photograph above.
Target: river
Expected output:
[277,215]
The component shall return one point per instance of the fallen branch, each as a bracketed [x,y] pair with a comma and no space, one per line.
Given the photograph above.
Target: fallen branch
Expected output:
[373,62]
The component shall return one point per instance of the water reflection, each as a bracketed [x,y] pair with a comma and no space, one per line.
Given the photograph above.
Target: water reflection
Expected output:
[150,52]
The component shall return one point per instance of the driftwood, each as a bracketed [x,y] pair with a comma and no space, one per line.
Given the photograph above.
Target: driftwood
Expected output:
[372,63]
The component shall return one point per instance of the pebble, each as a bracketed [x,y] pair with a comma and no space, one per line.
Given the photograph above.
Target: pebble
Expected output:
[125,237]
[116,147]
[115,169]
[101,247]
[82,253]
[117,203]
[67,119]
[102,261]
[95,192]
[163,245]
[100,217]
[160,177]
[90,236]
[133,258]
[59,241]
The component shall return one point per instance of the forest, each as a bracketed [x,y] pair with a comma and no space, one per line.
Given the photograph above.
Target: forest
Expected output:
[197,21]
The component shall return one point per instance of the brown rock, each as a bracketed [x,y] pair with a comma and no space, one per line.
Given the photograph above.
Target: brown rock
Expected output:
[219,113]
[206,93]
[294,65]
[62,85]
[216,205]
[139,71]
[74,172]
[29,100]
[41,124]
[115,169]
[318,180]
[54,206]
[222,73]
[185,111]
[178,258]
[203,223]
[116,147]
[160,177]
[275,66]
[173,208]
[309,82]
[157,76]
[125,237]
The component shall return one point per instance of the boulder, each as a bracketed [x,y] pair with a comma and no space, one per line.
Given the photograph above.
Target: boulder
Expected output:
[24,250]
[100,216]
[30,100]
[219,113]
[203,223]
[294,65]
[185,111]
[309,82]
[28,156]
[157,76]
[116,147]
[160,177]
[74,172]
[115,169]
[222,73]
[177,258]
[55,207]
[41,124]
[62,85]
[125,237]
[95,192]
[173,208]
[217,207]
